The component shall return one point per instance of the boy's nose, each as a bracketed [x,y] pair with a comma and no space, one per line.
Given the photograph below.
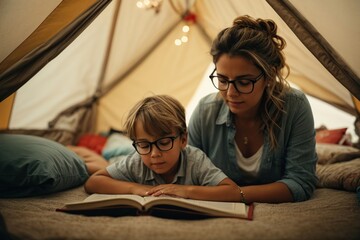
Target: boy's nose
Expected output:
[155,152]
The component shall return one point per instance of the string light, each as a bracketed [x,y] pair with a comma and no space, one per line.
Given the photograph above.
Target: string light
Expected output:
[188,17]
[178,42]
[150,4]
[185,28]
[184,38]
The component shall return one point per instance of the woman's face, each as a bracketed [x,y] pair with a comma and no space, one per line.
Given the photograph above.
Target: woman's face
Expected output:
[236,68]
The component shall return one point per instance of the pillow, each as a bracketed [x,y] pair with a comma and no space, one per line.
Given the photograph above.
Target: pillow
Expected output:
[342,175]
[334,136]
[31,165]
[92,141]
[117,144]
[331,153]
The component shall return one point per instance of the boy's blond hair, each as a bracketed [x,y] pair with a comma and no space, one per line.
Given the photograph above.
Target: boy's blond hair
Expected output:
[160,115]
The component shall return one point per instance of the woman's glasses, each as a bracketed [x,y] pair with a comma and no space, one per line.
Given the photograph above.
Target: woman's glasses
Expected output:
[242,85]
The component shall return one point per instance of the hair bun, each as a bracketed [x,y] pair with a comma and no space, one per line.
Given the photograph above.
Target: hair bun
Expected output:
[268,26]
[271,28]
[246,22]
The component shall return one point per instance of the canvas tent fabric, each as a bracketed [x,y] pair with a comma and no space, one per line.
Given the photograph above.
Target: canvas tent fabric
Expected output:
[81,65]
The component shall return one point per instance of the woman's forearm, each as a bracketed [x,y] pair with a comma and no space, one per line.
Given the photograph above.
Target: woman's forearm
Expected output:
[270,193]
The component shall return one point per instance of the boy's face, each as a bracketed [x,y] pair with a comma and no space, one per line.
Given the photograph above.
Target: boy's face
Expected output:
[164,163]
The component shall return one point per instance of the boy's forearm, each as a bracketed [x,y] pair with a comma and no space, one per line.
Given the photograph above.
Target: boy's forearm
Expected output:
[105,184]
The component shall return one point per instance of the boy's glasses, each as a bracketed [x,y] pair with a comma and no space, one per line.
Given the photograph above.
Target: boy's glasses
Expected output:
[163,144]
[242,85]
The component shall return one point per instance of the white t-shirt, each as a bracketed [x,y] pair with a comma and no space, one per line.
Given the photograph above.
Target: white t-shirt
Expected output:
[250,165]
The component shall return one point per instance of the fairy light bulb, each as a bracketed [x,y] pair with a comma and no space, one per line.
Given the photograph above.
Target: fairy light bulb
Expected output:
[185,28]
[184,39]
[178,42]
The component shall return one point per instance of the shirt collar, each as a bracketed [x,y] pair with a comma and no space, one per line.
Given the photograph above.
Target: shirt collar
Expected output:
[224,116]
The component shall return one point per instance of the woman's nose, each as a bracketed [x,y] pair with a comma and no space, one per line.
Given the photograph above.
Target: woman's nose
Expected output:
[232,90]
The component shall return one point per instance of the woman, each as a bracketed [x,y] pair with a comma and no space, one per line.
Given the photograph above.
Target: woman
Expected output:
[257,129]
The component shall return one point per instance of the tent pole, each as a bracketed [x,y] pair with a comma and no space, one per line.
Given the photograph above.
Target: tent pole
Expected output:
[6,110]
[317,45]
[108,50]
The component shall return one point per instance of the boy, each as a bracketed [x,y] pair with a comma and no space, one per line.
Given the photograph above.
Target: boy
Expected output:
[163,162]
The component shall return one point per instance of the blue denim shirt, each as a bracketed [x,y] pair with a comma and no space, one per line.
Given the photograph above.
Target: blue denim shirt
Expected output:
[293,162]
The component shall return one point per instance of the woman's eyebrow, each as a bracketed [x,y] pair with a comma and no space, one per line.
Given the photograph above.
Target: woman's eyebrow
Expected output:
[237,77]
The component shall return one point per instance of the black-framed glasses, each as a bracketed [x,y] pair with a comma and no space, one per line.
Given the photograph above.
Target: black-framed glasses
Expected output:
[242,85]
[163,144]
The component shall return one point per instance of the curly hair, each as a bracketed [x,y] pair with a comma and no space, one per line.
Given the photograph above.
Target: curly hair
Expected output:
[257,40]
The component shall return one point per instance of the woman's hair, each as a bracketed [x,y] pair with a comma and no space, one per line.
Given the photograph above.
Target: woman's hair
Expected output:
[160,115]
[257,41]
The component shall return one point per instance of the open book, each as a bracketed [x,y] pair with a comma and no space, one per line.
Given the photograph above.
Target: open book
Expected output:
[163,206]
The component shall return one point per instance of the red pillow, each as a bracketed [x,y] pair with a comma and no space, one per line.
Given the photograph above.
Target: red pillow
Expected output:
[93,142]
[333,136]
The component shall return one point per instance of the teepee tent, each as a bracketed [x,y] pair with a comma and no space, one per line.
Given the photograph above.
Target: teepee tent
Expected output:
[73,66]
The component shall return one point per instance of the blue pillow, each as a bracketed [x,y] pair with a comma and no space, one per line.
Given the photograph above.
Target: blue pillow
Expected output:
[31,166]
[116,145]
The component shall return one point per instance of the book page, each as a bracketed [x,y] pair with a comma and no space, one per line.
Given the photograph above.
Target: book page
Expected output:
[211,207]
[107,200]
[101,197]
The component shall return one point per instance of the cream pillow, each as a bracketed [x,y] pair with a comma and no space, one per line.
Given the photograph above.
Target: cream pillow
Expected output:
[341,175]
[332,153]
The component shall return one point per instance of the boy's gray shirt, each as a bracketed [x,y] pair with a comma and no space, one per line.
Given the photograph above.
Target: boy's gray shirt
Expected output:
[195,168]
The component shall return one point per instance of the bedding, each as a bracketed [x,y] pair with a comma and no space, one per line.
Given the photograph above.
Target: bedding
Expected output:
[338,166]
[332,213]
[117,144]
[94,142]
[345,175]
[334,136]
[31,165]
[332,153]
[329,214]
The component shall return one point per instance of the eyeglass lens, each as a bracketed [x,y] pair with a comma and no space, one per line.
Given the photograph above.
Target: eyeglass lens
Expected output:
[163,144]
[242,85]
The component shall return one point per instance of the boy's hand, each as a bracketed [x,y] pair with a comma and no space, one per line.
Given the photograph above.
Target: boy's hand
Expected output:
[141,190]
[174,190]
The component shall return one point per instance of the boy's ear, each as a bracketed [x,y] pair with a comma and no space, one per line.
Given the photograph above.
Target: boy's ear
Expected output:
[184,139]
